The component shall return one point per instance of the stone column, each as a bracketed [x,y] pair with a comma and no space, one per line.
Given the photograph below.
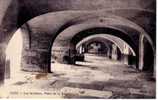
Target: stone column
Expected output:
[154,73]
[80,49]
[83,49]
[141,52]
[125,59]
[64,52]
[36,54]
[2,63]
[7,69]
[114,52]
[36,60]
[108,53]
[60,52]
[125,54]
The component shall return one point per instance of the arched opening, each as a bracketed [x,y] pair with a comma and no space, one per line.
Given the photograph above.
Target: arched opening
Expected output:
[97,49]
[123,48]
[65,47]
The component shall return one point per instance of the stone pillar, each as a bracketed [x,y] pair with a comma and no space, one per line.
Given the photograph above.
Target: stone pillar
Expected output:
[36,52]
[108,53]
[141,52]
[80,49]
[7,69]
[2,63]
[36,60]
[83,49]
[114,52]
[154,73]
[64,52]
[125,54]
[125,59]
[60,52]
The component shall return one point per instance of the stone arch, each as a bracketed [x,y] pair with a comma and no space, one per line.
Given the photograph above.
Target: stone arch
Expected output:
[103,41]
[80,38]
[107,49]
[117,41]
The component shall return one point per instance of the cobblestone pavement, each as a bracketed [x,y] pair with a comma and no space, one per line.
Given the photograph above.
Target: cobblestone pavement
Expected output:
[97,77]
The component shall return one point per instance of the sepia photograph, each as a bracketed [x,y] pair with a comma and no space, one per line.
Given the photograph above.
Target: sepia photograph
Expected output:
[78,49]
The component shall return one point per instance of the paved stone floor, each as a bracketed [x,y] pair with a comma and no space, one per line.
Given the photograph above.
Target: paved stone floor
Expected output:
[97,77]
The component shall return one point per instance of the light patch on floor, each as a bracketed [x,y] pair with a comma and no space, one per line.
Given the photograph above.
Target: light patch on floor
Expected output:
[80,75]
